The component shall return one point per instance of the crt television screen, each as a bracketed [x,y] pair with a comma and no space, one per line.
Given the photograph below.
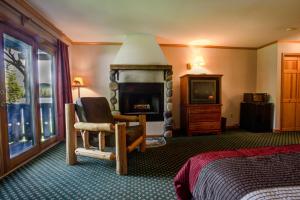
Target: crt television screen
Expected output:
[203,91]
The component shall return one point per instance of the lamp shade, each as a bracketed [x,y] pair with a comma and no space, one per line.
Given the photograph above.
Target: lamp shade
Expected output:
[78,81]
[198,61]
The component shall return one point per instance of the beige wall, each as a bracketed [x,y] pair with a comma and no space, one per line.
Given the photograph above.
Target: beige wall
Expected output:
[267,71]
[267,74]
[238,67]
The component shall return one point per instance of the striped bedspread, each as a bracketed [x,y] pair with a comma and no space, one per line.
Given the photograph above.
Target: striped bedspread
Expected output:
[288,193]
[235,174]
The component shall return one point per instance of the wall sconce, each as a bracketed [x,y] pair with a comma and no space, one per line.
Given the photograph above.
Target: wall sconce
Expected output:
[198,61]
[78,82]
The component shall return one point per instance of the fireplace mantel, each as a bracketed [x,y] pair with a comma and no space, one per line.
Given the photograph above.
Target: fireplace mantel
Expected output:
[117,67]
[140,67]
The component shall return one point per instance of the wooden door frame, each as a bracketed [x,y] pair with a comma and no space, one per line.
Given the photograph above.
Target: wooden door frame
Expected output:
[283,55]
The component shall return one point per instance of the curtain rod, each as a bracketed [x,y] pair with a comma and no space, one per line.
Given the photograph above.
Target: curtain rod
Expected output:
[24,18]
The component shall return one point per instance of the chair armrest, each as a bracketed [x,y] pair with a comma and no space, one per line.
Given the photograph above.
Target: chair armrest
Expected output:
[126,118]
[108,127]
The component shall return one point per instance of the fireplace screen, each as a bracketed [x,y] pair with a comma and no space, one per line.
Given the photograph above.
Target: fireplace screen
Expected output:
[142,98]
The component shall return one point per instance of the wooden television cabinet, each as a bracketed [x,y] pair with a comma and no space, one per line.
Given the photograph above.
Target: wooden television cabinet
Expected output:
[200,103]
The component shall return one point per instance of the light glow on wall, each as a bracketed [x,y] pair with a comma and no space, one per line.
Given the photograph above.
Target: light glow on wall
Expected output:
[201,42]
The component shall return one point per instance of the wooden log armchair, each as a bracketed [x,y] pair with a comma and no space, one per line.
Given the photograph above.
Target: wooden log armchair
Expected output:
[95,117]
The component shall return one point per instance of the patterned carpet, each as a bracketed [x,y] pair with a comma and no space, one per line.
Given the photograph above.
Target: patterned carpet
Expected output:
[150,174]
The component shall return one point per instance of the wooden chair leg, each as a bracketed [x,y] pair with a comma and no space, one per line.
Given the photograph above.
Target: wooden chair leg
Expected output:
[101,139]
[142,120]
[121,150]
[70,134]
[85,139]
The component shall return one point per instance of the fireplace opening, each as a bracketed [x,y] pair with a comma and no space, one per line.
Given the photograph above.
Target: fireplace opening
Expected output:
[142,98]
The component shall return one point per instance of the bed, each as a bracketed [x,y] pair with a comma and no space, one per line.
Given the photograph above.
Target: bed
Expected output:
[248,174]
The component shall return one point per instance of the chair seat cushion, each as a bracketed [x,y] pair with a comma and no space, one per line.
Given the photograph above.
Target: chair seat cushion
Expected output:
[133,133]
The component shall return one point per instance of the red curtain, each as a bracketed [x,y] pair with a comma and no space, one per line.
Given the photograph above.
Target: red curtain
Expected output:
[63,86]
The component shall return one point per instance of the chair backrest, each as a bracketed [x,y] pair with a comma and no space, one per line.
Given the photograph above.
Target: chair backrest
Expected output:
[93,109]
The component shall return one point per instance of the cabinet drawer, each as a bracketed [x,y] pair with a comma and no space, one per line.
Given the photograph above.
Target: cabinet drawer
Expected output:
[195,117]
[205,126]
[204,109]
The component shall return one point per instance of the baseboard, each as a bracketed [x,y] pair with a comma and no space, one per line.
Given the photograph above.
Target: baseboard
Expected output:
[277,130]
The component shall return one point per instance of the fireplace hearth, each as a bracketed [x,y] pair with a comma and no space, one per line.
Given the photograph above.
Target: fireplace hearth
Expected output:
[142,98]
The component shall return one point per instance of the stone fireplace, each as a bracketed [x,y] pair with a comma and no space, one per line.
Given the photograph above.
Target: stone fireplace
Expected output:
[151,98]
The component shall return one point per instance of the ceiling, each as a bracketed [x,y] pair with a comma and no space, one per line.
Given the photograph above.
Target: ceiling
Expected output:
[236,23]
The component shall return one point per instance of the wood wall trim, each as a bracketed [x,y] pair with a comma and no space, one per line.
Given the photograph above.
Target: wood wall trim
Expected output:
[279,41]
[289,41]
[165,45]
[34,12]
[268,44]
[97,43]
[207,46]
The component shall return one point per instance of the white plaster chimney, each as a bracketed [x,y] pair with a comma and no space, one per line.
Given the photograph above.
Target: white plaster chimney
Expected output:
[140,49]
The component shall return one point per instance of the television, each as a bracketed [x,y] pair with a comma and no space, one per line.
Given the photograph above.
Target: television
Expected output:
[204,90]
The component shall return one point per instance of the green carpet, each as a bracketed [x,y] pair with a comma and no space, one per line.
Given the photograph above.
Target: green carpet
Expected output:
[150,174]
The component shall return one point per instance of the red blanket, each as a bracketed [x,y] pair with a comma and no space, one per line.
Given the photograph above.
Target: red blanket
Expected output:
[186,178]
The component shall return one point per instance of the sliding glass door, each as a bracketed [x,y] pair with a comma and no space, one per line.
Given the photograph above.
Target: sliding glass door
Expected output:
[46,95]
[19,101]
[27,100]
